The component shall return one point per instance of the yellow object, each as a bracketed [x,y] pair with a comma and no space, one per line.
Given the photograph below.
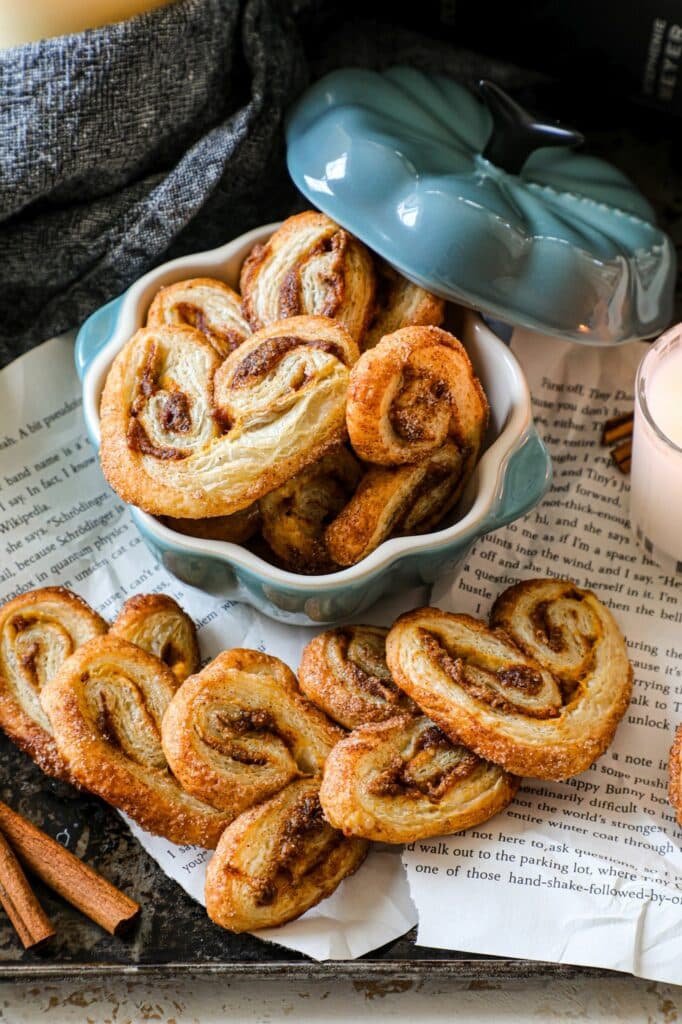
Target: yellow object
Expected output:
[41,19]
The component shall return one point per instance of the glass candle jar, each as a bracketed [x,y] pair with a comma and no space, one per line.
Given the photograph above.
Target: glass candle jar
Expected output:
[656,476]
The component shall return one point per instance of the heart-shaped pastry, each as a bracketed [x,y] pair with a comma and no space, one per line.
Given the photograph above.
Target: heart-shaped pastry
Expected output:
[182,438]
[402,780]
[210,306]
[541,694]
[240,731]
[105,705]
[38,631]
[278,860]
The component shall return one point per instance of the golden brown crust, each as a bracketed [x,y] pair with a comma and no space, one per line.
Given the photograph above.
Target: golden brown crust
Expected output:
[296,514]
[38,631]
[344,672]
[179,439]
[675,775]
[278,860]
[410,394]
[157,624]
[394,501]
[522,712]
[105,705]
[240,730]
[399,303]
[402,780]
[309,266]
[208,305]
[237,528]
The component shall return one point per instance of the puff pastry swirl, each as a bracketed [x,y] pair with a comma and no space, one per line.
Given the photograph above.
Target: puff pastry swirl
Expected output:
[548,710]
[157,624]
[105,705]
[399,303]
[344,672]
[278,860]
[411,393]
[309,266]
[402,780]
[38,631]
[240,730]
[183,440]
[396,501]
[207,304]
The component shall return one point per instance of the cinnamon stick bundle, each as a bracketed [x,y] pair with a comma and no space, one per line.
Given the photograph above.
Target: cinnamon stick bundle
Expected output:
[30,921]
[74,880]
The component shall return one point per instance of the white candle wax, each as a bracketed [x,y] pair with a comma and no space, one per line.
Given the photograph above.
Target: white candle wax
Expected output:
[656,479]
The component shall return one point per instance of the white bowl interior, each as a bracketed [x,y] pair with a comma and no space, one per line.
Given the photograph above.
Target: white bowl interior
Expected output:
[498,370]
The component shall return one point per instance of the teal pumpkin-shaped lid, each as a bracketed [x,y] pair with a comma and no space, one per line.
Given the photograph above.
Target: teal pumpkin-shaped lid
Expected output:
[476,201]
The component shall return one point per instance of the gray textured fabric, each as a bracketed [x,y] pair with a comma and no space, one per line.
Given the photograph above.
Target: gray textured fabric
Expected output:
[112,141]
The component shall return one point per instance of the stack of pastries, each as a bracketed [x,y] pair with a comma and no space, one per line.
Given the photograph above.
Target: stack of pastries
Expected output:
[313,416]
[388,735]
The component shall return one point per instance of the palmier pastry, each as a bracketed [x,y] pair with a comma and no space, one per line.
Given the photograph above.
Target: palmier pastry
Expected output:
[158,625]
[278,860]
[170,449]
[395,501]
[209,305]
[237,528]
[344,672]
[38,630]
[399,303]
[240,730]
[402,780]
[310,265]
[105,705]
[675,775]
[412,392]
[296,514]
[545,716]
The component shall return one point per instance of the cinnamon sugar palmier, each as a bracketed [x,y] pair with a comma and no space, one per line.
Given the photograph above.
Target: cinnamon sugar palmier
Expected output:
[549,710]
[157,624]
[240,730]
[38,631]
[296,514]
[278,860]
[411,393]
[675,775]
[207,304]
[344,672]
[181,440]
[237,528]
[399,303]
[402,780]
[105,705]
[309,266]
[396,501]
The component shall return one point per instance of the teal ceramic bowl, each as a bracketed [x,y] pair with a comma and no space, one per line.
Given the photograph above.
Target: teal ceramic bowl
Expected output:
[513,473]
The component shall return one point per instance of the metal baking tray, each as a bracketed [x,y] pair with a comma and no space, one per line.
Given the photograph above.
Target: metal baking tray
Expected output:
[174,934]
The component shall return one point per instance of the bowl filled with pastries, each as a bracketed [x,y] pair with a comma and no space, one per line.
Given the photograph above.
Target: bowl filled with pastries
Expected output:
[296,425]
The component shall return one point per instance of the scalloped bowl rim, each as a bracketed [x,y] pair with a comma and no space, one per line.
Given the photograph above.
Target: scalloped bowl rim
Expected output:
[486,479]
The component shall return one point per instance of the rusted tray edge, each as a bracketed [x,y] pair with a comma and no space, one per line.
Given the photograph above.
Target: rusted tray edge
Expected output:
[459,970]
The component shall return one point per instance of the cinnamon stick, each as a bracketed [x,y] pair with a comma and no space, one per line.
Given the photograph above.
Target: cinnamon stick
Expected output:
[618,428]
[30,921]
[622,455]
[74,880]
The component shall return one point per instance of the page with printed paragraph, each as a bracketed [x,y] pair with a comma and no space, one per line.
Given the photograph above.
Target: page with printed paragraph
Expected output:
[62,525]
[589,870]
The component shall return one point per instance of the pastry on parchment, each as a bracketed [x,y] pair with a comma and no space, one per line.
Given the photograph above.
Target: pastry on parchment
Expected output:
[310,266]
[344,672]
[240,730]
[403,779]
[412,392]
[105,705]
[207,304]
[278,860]
[38,631]
[157,624]
[188,436]
[539,692]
